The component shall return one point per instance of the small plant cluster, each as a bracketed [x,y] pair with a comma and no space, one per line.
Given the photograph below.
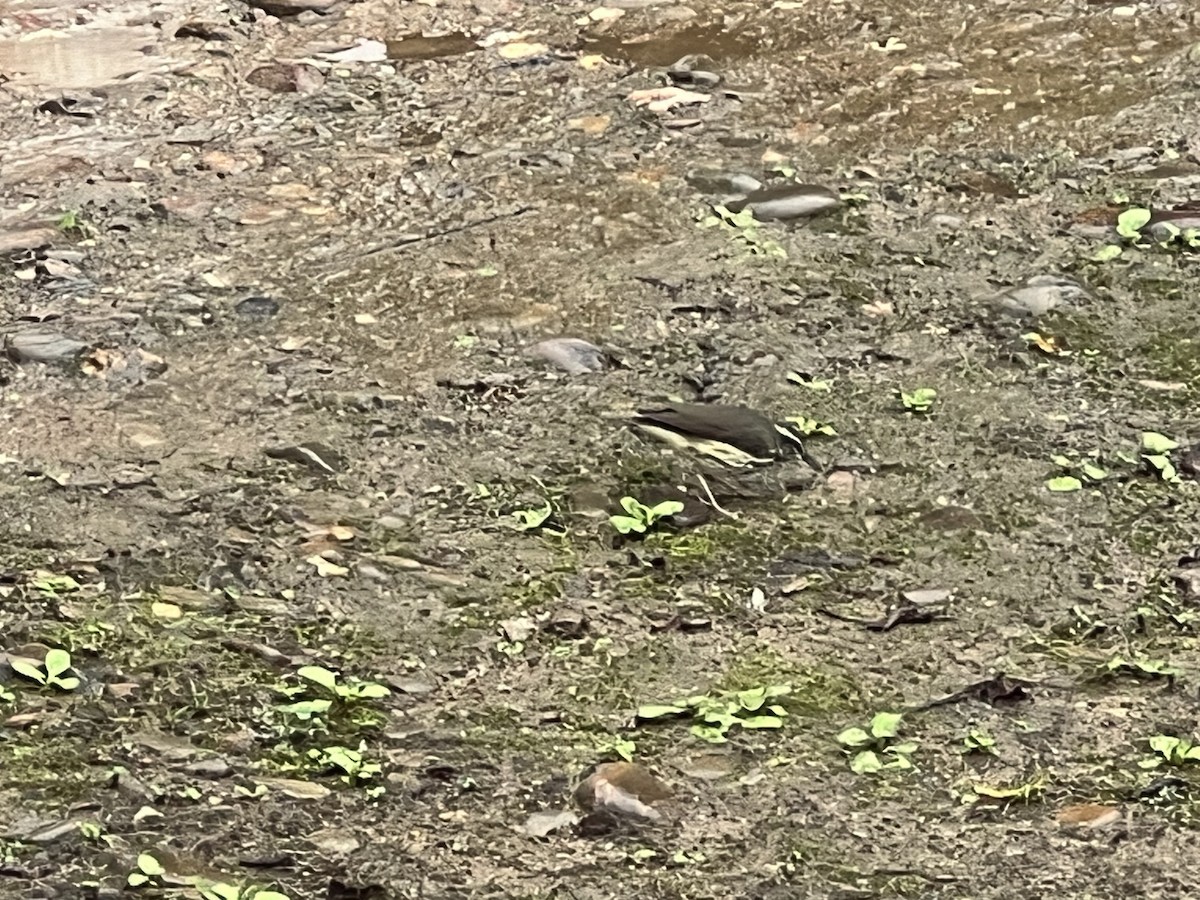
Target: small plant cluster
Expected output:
[919,400]
[52,672]
[714,715]
[744,227]
[324,698]
[875,748]
[640,518]
[152,873]
[1171,751]
[1155,455]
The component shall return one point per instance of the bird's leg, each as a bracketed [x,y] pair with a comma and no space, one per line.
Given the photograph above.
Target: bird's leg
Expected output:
[712,501]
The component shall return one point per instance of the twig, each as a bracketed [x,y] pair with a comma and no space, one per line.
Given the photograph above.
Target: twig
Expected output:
[409,239]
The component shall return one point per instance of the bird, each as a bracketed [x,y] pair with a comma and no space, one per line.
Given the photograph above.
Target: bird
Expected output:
[736,435]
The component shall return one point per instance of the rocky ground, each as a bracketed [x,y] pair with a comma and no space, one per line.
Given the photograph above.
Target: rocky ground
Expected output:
[328,542]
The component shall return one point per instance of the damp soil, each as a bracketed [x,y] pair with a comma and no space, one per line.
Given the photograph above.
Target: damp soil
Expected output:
[269,403]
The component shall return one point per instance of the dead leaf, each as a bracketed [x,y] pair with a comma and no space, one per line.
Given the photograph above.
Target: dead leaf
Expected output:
[590,124]
[296,789]
[324,567]
[522,50]
[592,61]
[662,99]
[879,309]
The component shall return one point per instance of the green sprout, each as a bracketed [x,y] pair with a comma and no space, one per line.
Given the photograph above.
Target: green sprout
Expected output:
[919,400]
[150,872]
[71,222]
[640,518]
[535,518]
[51,671]
[745,227]
[1090,472]
[1131,222]
[807,426]
[979,741]
[813,384]
[1156,447]
[352,764]
[714,715]
[346,693]
[874,748]
[1171,751]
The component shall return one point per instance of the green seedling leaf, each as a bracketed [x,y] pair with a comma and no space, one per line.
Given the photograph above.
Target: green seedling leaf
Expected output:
[722,717]
[866,763]
[49,583]
[808,426]
[708,734]
[1131,222]
[1095,473]
[1164,466]
[1107,253]
[900,762]
[217,890]
[664,509]
[1165,745]
[269,895]
[634,508]
[761,722]
[905,749]
[657,711]
[885,724]
[306,709]
[319,675]
[626,524]
[529,519]
[57,662]
[813,384]
[372,691]
[136,879]
[752,699]
[919,400]
[28,669]
[854,737]
[150,866]
[1153,442]
[1064,484]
